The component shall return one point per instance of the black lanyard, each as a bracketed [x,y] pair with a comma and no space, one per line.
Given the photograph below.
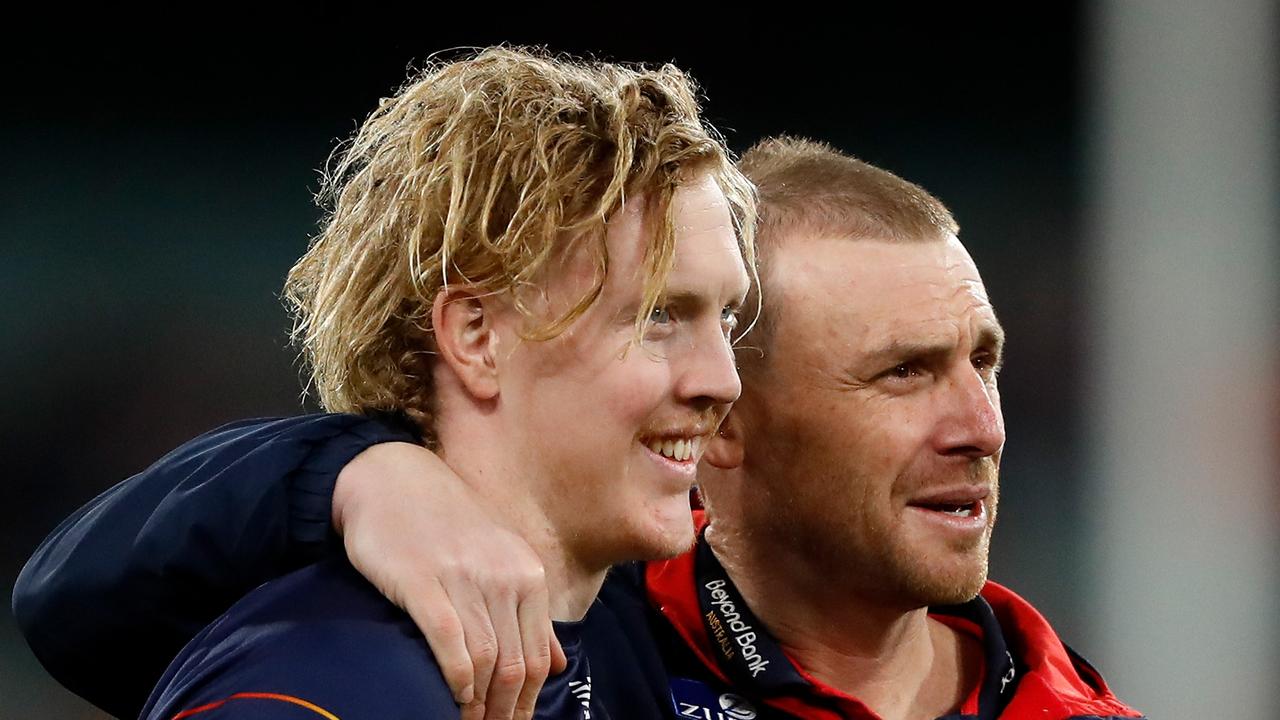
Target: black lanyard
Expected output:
[742,647]
[754,662]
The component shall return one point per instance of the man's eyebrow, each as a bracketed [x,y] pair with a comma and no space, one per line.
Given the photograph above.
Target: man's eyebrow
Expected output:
[898,349]
[683,297]
[694,298]
[990,337]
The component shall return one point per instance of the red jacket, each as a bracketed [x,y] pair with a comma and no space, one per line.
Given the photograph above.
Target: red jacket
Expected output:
[1035,674]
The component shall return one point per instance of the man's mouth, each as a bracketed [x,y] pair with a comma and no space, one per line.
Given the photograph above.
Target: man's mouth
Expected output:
[958,502]
[680,449]
[967,510]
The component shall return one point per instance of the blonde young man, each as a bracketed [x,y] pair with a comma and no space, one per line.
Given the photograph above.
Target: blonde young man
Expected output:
[538,262]
[851,493]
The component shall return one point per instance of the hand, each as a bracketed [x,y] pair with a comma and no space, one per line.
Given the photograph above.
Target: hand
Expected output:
[476,590]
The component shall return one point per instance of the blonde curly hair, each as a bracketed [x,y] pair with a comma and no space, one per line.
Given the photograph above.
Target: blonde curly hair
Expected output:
[484,171]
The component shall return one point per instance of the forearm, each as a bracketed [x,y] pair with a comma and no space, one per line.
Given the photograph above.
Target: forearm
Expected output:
[154,559]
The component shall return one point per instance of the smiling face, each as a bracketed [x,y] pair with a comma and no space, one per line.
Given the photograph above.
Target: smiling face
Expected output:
[873,430]
[613,430]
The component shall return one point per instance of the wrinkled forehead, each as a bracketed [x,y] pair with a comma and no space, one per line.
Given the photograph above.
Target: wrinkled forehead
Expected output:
[877,286]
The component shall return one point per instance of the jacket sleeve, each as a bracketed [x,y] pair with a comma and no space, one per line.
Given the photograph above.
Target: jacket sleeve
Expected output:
[143,567]
[318,643]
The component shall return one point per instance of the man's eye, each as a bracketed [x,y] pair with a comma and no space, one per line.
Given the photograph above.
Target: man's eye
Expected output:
[660,315]
[729,318]
[986,364]
[903,371]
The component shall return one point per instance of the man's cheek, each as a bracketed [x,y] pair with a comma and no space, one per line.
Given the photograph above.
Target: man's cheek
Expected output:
[636,394]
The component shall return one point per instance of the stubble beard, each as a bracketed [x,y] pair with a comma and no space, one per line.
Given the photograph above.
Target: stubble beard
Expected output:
[869,555]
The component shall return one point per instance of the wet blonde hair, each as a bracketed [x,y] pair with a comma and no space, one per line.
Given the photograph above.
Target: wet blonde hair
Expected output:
[484,172]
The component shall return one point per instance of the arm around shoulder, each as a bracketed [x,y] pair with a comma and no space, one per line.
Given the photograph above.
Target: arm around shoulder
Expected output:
[149,562]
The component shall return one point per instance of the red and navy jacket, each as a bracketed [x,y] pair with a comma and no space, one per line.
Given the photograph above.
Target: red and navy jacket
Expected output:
[155,559]
[723,657]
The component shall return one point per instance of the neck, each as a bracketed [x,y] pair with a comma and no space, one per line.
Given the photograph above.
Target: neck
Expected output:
[895,660]
[572,583]
[498,482]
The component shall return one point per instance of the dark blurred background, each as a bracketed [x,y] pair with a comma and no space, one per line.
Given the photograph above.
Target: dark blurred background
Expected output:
[154,191]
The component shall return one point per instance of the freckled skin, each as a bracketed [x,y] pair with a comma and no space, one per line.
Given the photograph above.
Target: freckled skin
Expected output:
[581,402]
[841,429]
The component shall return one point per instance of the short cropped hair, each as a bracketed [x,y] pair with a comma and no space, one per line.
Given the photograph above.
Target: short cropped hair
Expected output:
[485,171]
[810,187]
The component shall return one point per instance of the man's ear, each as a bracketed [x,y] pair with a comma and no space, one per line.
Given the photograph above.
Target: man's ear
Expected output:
[467,339]
[726,450]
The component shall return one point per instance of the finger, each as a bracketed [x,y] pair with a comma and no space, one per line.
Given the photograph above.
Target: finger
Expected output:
[510,669]
[473,711]
[559,662]
[478,632]
[434,614]
[536,639]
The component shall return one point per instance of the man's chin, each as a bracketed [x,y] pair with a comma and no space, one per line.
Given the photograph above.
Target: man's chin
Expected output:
[958,595]
[669,533]
[952,586]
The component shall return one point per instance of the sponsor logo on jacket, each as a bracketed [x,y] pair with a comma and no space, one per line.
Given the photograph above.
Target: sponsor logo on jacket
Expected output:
[730,632]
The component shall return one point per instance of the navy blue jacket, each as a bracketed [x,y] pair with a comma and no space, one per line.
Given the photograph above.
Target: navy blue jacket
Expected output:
[155,559]
[323,643]
[147,564]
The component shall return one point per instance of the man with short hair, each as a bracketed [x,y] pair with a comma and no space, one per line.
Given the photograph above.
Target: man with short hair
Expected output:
[851,498]
[852,490]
